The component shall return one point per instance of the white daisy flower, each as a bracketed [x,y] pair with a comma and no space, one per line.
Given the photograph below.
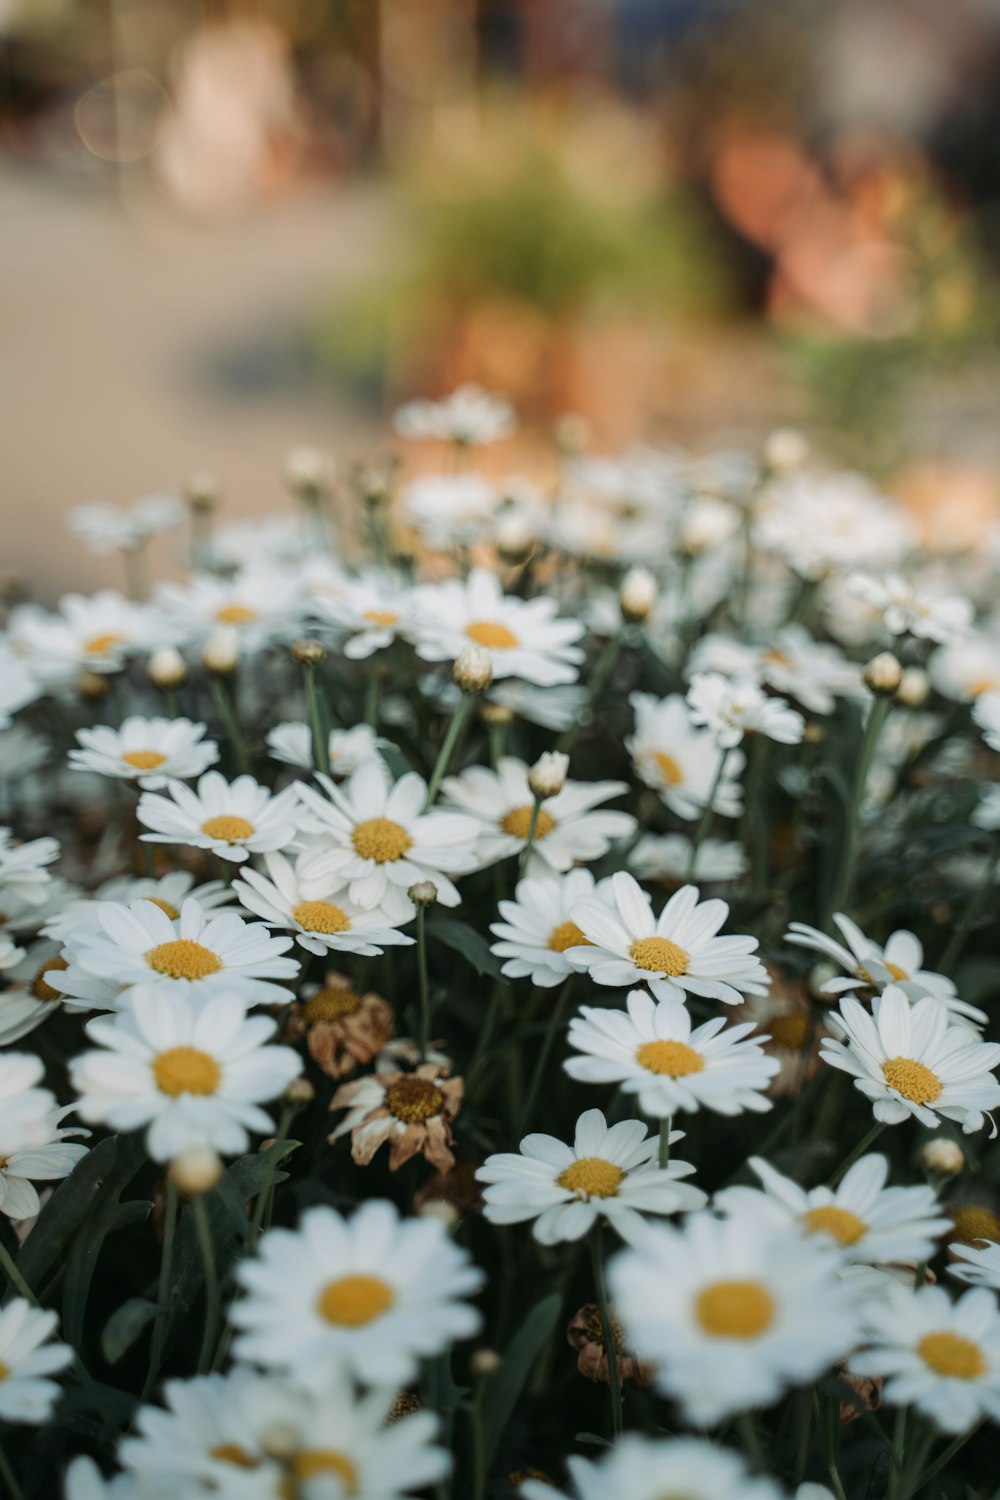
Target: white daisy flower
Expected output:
[48,1156]
[986,813]
[375,836]
[198,955]
[24,1108]
[986,713]
[537,930]
[470,416]
[731,1312]
[348,748]
[642,1468]
[24,880]
[262,603]
[676,953]
[555,708]
[908,1059]
[84,1481]
[680,761]
[112,528]
[233,819]
[449,510]
[217,1437]
[967,669]
[569,829]
[168,892]
[609,1172]
[523,636]
[907,609]
[867,1221]
[731,709]
[10,952]
[940,1356]
[372,1294]
[667,857]
[978,1264]
[28,1358]
[189,1073]
[22,1009]
[370,612]
[150,751]
[285,898]
[18,685]
[830,523]
[651,1051]
[94,634]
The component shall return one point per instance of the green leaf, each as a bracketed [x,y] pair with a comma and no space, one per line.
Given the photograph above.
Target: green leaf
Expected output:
[109,1216]
[467,941]
[124,1326]
[66,1210]
[507,1385]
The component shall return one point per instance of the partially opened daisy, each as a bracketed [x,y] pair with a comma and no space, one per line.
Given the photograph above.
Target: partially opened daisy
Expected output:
[41,1154]
[642,1468]
[470,417]
[322,918]
[189,1073]
[24,880]
[570,827]
[910,609]
[651,1050]
[524,637]
[373,1294]
[347,748]
[196,955]
[941,1356]
[95,633]
[676,953]
[910,1060]
[731,709]
[28,1359]
[368,613]
[610,1172]
[978,1264]
[666,858]
[149,751]
[233,819]
[537,929]
[681,761]
[411,1112]
[865,1220]
[375,836]
[449,509]
[731,1311]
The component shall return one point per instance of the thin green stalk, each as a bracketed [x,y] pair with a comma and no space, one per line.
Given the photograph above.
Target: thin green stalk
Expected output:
[203,1232]
[136,572]
[498,735]
[607,1328]
[448,746]
[424,978]
[756,836]
[163,1290]
[485,1034]
[843,889]
[705,821]
[9,1266]
[828,1422]
[224,700]
[542,1060]
[373,690]
[320,737]
[9,1478]
[859,1150]
[957,941]
[749,1438]
[898,1451]
[266,1187]
[665,1127]
[478,1446]
[598,678]
[532,830]
[945,1457]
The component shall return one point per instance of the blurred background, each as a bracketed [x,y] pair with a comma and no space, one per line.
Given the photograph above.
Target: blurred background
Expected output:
[230,227]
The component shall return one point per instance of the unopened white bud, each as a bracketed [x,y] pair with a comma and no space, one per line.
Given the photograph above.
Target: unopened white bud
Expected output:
[167,668]
[707,523]
[440,1209]
[883,674]
[485,1362]
[819,975]
[473,670]
[221,655]
[547,776]
[300,1092]
[914,688]
[515,537]
[571,433]
[308,472]
[637,596]
[423,893]
[202,491]
[942,1158]
[281,1440]
[196,1170]
[785,450]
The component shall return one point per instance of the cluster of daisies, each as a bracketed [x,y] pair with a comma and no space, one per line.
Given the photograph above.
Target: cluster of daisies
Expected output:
[495,988]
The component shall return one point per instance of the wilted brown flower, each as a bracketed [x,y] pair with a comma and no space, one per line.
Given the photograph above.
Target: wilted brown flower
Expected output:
[343,1030]
[785,1014]
[457,1187]
[412,1111]
[867,1391]
[974,1221]
[405,1404]
[585,1334]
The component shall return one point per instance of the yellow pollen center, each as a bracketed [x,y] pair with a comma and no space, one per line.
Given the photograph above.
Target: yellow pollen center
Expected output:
[911,1079]
[983,685]
[591,1177]
[952,1355]
[352,1301]
[380,617]
[668,768]
[382,840]
[235,614]
[4,1370]
[306,1466]
[659,955]
[186,1070]
[321,916]
[99,645]
[895,970]
[839,1223]
[567,935]
[673,1059]
[790,1030]
[735,1309]
[228,828]
[974,1222]
[491,633]
[183,959]
[143,760]
[518,822]
[232,1453]
[40,989]
[331,1005]
[413,1100]
[165,907]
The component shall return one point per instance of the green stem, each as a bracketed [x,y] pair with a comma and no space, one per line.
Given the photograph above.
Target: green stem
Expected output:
[224,701]
[448,745]
[665,1126]
[705,821]
[163,1290]
[424,978]
[320,738]
[859,1150]
[536,808]
[757,835]
[607,1328]
[945,1457]
[542,1060]
[372,693]
[266,1187]
[9,1478]
[9,1266]
[958,938]
[751,1442]
[844,886]
[204,1233]
[478,1448]
[136,572]
[602,671]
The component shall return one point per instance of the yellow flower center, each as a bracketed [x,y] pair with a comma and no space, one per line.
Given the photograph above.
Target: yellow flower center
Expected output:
[839,1223]
[352,1301]
[186,1070]
[911,1079]
[413,1100]
[382,840]
[99,645]
[321,916]
[983,685]
[735,1309]
[491,633]
[143,760]
[974,1222]
[228,828]
[668,768]
[4,1370]
[591,1177]
[567,935]
[380,617]
[895,970]
[232,1453]
[790,1030]
[659,955]
[952,1355]
[305,1466]
[40,989]
[165,906]
[183,959]
[518,822]
[235,614]
[674,1059]
[331,1004]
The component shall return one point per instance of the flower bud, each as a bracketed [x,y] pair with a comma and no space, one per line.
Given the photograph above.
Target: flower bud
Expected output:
[300,1092]
[93,685]
[423,893]
[196,1170]
[308,473]
[308,653]
[819,975]
[473,670]
[547,776]
[785,449]
[496,715]
[221,655]
[440,1209]
[914,688]
[281,1440]
[515,538]
[942,1158]
[485,1362]
[167,668]
[883,674]
[571,433]
[202,492]
[637,596]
